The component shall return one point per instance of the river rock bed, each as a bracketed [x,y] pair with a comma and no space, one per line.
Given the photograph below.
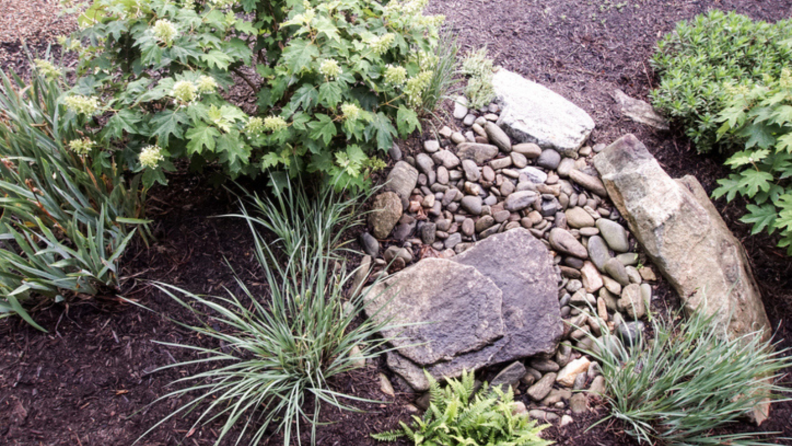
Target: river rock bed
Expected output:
[474,181]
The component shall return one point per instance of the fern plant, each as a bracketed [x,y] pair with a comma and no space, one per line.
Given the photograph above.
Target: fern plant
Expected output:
[761,115]
[458,417]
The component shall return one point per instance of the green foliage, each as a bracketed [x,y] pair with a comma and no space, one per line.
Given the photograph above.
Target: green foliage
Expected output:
[65,212]
[278,352]
[688,381]
[330,78]
[479,70]
[702,56]
[457,417]
[761,116]
[443,65]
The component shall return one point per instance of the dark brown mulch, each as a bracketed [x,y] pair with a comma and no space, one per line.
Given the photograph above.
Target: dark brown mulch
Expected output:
[89,380]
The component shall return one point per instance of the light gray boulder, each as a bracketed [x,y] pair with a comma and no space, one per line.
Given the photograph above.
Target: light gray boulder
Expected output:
[535,114]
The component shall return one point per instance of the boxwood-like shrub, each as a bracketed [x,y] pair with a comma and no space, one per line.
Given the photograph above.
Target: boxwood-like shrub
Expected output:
[702,56]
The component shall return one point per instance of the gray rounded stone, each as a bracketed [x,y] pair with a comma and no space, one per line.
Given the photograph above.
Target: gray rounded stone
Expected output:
[565,166]
[614,268]
[484,222]
[598,252]
[471,204]
[480,153]
[498,137]
[614,234]
[529,150]
[630,333]
[431,145]
[578,218]
[631,301]
[549,159]
[425,163]
[519,200]
[541,389]
[428,233]
[468,227]
[387,209]
[472,172]
[564,242]
[370,245]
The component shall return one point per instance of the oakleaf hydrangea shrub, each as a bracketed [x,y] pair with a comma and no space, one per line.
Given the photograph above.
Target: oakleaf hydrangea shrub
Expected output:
[334,81]
[761,116]
[702,56]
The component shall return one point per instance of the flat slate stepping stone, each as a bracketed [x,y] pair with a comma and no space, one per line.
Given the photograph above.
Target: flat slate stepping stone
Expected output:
[444,292]
[457,300]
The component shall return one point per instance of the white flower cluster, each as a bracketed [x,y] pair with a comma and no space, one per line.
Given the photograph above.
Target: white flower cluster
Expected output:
[330,69]
[416,86]
[381,44]
[81,147]
[82,105]
[184,91]
[151,156]
[47,69]
[254,126]
[222,3]
[395,75]
[350,111]
[165,31]
[207,84]
[274,123]
[187,91]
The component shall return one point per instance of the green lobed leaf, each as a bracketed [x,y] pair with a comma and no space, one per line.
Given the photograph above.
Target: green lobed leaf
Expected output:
[201,137]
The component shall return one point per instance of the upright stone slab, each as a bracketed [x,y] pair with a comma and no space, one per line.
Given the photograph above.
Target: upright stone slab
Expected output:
[535,114]
[683,234]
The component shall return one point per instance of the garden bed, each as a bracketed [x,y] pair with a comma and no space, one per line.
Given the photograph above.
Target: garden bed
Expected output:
[88,381]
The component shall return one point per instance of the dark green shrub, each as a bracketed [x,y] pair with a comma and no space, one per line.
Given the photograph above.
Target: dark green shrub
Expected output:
[761,115]
[457,417]
[688,381]
[66,209]
[701,56]
[334,81]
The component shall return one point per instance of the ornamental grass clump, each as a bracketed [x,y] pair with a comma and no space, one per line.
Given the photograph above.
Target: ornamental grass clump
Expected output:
[460,416]
[689,381]
[277,353]
[67,213]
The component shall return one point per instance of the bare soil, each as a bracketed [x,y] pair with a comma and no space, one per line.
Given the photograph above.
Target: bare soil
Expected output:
[89,381]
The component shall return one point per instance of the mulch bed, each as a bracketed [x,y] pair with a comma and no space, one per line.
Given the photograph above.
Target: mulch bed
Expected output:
[89,381]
